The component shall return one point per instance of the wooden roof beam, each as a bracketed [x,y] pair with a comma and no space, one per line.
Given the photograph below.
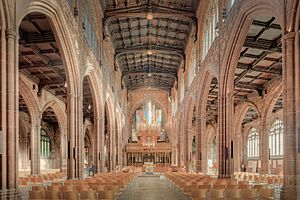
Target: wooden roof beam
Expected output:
[35,38]
[157,10]
[251,67]
[259,69]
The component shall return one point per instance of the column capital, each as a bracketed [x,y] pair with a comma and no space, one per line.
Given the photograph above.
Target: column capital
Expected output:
[10,33]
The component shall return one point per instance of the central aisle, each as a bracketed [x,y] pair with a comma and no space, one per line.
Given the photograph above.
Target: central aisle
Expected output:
[151,187]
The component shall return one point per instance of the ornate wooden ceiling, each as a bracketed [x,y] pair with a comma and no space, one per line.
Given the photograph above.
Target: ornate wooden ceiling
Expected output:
[260,63]
[212,102]
[150,37]
[49,116]
[39,56]
[41,61]
[260,60]
[250,116]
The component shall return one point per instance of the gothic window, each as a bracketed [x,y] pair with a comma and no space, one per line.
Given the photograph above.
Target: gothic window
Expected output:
[210,24]
[276,139]
[253,144]
[45,144]
[89,30]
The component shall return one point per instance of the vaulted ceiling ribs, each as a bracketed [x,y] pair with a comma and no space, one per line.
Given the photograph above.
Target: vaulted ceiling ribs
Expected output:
[149,37]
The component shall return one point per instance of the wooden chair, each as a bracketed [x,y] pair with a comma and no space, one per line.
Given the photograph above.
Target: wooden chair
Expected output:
[266,194]
[57,184]
[98,188]
[231,182]
[243,182]
[233,194]
[218,187]
[243,187]
[38,188]
[91,195]
[232,187]
[37,194]
[53,188]
[81,188]
[199,194]
[216,194]
[106,195]
[54,194]
[70,195]
[67,188]
[249,194]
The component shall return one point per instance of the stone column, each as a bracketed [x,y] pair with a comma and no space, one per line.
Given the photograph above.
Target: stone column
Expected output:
[225,132]
[264,147]
[99,144]
[102,140]
[186,149]
[35,143]
[71,136]
[79,138]
[11,128]
[201,145]
[237,153]
[63,148]
[291,116]
[112,149]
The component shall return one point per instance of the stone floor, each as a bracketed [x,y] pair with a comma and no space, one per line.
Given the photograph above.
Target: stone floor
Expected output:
[151,187]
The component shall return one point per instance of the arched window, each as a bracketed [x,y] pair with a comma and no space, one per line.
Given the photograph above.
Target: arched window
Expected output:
[89,29]
[210,24]
[253,144]
[276,139]
[192,69]
[45,144]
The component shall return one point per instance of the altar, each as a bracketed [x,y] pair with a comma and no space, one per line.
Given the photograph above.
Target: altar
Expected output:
[148,146]
[148,167]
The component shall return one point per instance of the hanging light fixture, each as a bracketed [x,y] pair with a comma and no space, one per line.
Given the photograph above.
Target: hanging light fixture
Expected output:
[89,106]
[149,52]
[150,16]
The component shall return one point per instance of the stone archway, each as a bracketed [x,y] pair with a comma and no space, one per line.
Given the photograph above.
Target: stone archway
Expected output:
[238,83]
[190,136]
[65,46]
[208,111]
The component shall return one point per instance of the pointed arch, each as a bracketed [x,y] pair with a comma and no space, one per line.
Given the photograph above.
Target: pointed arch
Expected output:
[30,101]
[241,23]
[59,113]
[58,21]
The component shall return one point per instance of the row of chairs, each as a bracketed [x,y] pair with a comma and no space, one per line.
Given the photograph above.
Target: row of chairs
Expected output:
[40,179]
[231,194]
[259,178]
[210,188]
[101,186]
[72,195]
